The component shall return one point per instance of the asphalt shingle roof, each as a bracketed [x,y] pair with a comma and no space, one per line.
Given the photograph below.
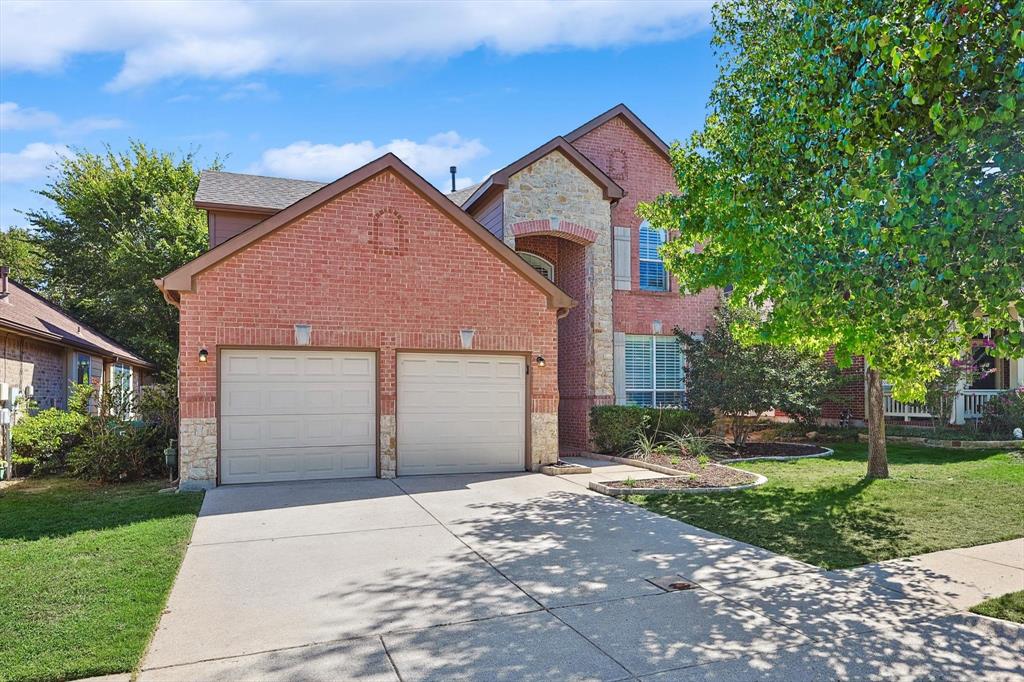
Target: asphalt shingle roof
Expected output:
[257,191]
[459,196]
[24,309]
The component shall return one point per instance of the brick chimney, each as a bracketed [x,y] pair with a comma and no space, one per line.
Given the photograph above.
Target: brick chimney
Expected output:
[5,293]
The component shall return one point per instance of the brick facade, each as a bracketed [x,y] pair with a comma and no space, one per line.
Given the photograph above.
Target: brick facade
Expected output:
[640,169]
[377,267]
[28,362]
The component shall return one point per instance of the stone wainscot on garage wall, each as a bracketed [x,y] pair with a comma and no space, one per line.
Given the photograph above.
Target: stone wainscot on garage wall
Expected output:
[380,268]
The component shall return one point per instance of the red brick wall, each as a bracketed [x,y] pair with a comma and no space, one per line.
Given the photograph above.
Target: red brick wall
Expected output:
[569,259]
[618,150]
[851,395]
[26,361]
[378,267]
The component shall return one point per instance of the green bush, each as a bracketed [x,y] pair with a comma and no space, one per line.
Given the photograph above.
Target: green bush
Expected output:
[1003,414]
[615,427]
[113,448]
[44,439]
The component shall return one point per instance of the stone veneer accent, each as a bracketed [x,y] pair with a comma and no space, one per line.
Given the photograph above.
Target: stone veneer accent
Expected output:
[543,439]
[197,452]
[553,187]
[388,438]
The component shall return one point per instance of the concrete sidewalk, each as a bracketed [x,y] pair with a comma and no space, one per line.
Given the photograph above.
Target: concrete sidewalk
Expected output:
[531,577]
[961,578]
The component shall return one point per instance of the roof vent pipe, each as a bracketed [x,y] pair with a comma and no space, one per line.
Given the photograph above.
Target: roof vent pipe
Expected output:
[451,170]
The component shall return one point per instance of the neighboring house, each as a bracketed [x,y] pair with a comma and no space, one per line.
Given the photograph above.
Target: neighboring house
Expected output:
[45,350]
[375,326]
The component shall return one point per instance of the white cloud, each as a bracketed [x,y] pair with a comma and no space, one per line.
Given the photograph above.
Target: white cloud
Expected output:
[246,90]
[310,161]
[14,117]
[31,163]
[233,39]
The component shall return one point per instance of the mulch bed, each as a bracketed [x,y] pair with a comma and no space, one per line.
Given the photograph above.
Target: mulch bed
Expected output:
[677,482]
[707,476]
[769,449]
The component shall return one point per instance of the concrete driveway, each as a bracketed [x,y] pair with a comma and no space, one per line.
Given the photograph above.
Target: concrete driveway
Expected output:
[525,576]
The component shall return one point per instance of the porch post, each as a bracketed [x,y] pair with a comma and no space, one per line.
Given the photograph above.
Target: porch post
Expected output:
[959,405]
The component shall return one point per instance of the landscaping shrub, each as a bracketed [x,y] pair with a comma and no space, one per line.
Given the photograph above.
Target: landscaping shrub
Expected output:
[116,450]
[114,447]
[615,427]
[737,380]
[1003,414]
[44,439]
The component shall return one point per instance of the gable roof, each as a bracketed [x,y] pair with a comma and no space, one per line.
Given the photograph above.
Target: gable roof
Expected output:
[499,179]
[182,279]
[254,193]
[630,118]
[26,312]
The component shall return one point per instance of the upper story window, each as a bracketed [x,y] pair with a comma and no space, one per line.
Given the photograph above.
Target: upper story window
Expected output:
[653,276]
[541,265]
[654,371]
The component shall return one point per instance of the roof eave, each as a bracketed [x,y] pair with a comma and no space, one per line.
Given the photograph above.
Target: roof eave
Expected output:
[237,208]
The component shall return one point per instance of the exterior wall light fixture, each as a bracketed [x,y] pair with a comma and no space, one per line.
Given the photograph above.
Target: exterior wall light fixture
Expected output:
[540,361]
[203,355]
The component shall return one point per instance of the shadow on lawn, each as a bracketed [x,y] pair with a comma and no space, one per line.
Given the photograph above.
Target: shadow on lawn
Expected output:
[826,526]
[59,507]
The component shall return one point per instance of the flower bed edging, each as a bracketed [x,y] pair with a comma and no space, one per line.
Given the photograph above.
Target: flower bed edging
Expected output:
[950,444]
[615,491]
[783,458]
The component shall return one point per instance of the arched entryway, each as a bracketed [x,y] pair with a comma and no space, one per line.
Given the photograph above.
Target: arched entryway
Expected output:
[560,251]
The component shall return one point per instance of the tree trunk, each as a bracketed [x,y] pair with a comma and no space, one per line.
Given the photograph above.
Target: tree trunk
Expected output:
[878,462]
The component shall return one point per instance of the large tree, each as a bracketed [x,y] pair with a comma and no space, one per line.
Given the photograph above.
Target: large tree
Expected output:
[19,253]
[121,220]
[859,176]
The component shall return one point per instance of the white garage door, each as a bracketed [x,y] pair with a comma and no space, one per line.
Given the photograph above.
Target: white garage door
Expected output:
[288,415]
[460,413]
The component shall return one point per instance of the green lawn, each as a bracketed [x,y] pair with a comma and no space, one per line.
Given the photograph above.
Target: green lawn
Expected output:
[1008,607]
[84,574]
[823,511]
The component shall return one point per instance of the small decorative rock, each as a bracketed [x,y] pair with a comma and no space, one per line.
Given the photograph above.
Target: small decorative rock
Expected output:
[811,435]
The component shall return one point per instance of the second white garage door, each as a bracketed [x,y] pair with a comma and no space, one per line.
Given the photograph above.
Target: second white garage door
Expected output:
[461,413]
[289,415]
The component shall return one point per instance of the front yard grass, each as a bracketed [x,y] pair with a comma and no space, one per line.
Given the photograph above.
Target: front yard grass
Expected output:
[823,511]
[85,570]
[1007,607]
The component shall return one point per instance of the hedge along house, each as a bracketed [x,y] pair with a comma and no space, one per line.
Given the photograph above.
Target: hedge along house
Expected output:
[365,327]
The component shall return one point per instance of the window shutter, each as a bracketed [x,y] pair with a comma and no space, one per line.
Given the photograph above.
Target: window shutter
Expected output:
[619,366]
[623,260]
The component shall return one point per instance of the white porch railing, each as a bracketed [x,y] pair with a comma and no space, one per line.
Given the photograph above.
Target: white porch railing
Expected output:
[973,401]
[969,405]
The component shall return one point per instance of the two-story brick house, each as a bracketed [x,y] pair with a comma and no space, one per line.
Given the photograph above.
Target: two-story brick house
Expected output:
[374,326]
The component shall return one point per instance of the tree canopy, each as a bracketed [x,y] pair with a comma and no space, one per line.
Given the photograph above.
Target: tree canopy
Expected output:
[121,220]
[859,176]
[19,253]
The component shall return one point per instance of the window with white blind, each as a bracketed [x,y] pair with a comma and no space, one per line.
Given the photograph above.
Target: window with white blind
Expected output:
[541,265]
[654,371]
[652,268]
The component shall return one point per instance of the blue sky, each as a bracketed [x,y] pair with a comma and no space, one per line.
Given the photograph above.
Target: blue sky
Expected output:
[315,90]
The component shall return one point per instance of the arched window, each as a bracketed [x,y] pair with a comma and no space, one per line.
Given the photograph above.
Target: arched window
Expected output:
[541,265]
